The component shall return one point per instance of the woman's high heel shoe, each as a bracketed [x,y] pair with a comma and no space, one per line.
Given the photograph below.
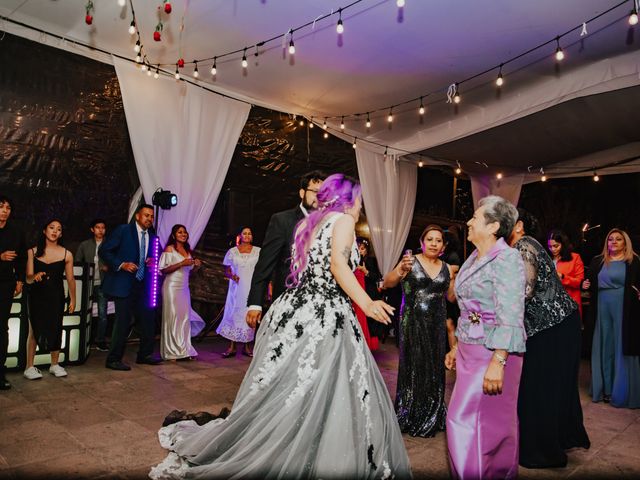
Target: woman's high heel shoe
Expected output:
[229,354]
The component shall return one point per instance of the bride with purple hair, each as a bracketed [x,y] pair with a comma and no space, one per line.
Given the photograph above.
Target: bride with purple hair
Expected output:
[312,403]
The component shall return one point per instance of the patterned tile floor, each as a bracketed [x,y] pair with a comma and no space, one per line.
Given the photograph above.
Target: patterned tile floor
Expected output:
[98,423]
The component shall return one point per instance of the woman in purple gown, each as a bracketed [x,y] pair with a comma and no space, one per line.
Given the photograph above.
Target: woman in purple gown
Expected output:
[482,424]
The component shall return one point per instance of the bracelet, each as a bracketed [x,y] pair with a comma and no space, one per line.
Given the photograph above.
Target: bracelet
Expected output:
[501,360]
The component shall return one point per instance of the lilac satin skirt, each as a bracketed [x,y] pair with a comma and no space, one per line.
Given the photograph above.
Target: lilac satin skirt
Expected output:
[482,430]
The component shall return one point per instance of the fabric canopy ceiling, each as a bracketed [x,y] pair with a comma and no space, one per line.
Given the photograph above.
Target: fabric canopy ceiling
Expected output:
[387,56]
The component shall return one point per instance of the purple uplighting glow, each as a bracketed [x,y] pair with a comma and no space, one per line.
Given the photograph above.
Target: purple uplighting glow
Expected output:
[155,273]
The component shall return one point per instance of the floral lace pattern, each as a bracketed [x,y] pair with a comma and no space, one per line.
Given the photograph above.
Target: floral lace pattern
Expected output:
[312,393]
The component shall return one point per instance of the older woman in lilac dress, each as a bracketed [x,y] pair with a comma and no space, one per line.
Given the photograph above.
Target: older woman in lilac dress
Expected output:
[482,424]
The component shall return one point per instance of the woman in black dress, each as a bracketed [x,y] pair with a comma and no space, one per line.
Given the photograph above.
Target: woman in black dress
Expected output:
[549,407]
[47,265]
[426,284]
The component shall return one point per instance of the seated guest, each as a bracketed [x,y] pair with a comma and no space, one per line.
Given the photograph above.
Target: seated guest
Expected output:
[239,263]
[614,282]
[88,253]
[569,266]
[179,321]
[426,283]
[549,407]
[48,263]
[13,260]
[482,423]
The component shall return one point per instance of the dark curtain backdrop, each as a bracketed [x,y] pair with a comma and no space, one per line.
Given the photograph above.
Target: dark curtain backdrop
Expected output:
[65,149]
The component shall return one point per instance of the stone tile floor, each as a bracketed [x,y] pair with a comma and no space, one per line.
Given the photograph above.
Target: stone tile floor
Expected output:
[98,423]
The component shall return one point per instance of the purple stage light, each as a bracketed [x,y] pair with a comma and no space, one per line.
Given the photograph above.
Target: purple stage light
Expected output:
[155,273]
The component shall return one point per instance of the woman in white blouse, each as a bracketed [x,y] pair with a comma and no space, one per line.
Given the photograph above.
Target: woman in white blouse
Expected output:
[179,321]
[239,263]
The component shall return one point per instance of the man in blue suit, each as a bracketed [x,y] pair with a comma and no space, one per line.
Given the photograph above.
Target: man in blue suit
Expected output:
[127,254]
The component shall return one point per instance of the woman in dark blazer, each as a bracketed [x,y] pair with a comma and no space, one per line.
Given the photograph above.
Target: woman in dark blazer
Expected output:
[614,283]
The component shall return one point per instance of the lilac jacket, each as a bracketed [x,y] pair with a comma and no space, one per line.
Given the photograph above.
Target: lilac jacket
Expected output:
[490,292]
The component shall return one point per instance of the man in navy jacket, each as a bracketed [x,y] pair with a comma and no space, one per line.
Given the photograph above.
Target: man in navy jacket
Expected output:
[127,253]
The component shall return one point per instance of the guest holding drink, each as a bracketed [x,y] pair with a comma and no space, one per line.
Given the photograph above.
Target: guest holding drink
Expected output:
[179,321]
[549,407]
[239,264]
[569,266]
[48,263]
[426,282]
[482,423]
[614,283]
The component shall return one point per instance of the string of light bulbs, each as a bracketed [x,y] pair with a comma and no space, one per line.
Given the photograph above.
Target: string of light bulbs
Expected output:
[181,63]
[458,169]
[453,91]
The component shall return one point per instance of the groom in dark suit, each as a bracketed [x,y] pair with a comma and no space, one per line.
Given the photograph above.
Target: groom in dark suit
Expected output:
[275,254]
[127,253]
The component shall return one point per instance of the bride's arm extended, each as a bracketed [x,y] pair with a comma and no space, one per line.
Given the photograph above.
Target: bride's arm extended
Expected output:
[341,243]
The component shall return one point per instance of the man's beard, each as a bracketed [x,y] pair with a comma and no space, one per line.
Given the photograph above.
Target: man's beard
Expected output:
[306,205]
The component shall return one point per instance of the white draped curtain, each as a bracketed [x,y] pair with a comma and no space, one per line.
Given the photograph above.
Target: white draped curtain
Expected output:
[183,139]
[389,193]
[507,187]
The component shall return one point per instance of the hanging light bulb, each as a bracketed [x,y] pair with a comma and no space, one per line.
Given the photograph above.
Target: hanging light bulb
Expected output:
[390,116]
[132,27]
[500,80]
[596,178]
[245,64]
[157,74]
[137,46]
[368,124]
[354,143]
[342,123]
[302,122]
[633,16]
[121,3]
[138,58]
[311,125]
[456,96]
[458,171]
[214,70]
[543,178]
[559,52]
[292,47]
[149,73]
[144,67]
[420,163]
[324,125]
[400,3]
[326,135]
[386,151]
[499,176]
[340,25]
[421,109]
[177,74]
[196,74]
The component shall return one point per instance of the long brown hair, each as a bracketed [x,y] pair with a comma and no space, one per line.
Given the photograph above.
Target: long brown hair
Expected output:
[173,241]
[628,247]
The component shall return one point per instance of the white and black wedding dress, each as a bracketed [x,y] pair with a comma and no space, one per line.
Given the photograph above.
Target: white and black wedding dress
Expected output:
[312,404]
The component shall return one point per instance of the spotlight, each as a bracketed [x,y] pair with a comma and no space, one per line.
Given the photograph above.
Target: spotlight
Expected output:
[164,199]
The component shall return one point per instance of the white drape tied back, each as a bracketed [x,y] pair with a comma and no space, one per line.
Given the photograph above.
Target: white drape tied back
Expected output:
[183,139]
